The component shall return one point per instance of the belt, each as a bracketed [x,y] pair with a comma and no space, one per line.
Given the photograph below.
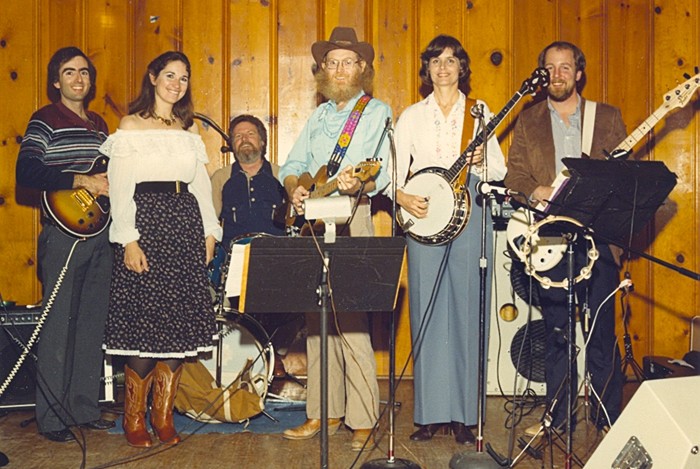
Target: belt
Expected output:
[161,186]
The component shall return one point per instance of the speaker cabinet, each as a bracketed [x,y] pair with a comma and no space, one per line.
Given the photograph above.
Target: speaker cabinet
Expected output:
[516,354]
[16,328]
[660,427]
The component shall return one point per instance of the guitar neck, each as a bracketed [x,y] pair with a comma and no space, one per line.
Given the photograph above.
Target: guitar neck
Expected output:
[643,129]
[463,159]
[324,189]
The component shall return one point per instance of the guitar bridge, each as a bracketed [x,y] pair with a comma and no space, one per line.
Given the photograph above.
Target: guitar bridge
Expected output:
[83,198]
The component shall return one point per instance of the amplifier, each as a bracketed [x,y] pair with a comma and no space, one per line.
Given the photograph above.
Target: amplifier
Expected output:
[16,327]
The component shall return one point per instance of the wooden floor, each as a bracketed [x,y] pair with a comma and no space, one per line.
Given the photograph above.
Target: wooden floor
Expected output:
[26,449]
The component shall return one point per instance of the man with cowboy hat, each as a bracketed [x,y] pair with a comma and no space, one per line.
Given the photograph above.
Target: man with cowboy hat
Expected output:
[342,132]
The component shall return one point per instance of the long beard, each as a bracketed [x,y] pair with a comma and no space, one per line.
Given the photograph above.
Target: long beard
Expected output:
[335,91]
[247,155]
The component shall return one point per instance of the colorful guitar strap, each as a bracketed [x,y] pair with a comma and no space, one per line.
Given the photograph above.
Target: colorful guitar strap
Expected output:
[346,135]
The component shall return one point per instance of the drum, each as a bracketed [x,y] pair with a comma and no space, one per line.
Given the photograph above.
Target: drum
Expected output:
[242,338]
[226,268]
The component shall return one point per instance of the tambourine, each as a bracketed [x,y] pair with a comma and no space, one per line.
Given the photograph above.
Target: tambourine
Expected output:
[531,237]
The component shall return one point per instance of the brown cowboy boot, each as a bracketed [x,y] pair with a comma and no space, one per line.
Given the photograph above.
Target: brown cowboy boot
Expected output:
[165,383]
[135,394]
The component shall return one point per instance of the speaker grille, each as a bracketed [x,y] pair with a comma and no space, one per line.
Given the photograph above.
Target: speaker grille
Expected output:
[532,353]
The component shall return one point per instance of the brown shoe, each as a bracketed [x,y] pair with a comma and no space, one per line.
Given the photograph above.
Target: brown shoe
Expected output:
[310,429]
[165,383]
[359,437]
[135,393]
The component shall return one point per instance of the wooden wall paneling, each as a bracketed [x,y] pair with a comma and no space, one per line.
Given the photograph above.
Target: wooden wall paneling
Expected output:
[107,46]
[351,13]
[534,26]
[487,43]
[63,24]
[204,32]
[157,28]
[675,26]
[249,60]
[628,86]
[20,88]
[593,41]
[296,88]
[396,68]
[436,17]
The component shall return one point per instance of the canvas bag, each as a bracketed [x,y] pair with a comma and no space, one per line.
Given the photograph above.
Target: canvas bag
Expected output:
[200,398]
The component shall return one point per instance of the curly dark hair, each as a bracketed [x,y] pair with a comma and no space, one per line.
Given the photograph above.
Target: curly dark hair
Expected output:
[144,104]
[60,57]
[436,47]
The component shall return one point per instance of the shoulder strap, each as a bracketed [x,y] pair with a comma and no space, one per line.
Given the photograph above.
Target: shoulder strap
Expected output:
[346,135]
[468,127]
[588,123]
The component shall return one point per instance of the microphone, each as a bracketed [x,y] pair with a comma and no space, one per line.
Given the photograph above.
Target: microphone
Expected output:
[477,110]
[387,127]
[484,188]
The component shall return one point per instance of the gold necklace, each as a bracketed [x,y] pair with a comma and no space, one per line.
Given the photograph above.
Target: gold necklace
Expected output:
[165,121]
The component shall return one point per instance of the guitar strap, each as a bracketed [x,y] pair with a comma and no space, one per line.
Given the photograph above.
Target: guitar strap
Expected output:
[588,124]
[467,133]
[346,135]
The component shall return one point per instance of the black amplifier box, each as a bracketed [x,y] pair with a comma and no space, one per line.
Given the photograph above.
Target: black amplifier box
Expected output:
[17,325]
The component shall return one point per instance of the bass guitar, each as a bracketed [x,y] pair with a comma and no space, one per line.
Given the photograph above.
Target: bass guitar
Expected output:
[76,211]
[319,186]
[549,251]
[450,202]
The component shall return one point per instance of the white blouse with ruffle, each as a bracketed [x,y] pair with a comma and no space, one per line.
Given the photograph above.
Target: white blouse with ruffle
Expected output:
[155,155]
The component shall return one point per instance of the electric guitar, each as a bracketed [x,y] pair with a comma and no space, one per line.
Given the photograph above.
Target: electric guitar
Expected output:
[319,186]
[76,211]
[549,251]
[450,202]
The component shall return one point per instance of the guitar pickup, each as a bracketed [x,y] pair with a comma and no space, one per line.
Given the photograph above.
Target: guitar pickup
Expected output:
[83,198]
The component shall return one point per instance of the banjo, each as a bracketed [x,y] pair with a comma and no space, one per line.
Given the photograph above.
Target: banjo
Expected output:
[450,203]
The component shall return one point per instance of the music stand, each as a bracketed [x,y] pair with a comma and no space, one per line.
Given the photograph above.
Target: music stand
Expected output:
[293,275]
[613,200]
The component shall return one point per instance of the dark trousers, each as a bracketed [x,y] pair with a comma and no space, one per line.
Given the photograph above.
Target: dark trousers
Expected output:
[603,354]
[69,354]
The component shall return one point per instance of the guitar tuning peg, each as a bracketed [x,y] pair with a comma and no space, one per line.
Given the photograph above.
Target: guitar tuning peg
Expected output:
[686,76]
[697,69]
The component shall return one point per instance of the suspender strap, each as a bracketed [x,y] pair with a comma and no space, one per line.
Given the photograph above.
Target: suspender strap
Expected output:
[588,123]
[346,135]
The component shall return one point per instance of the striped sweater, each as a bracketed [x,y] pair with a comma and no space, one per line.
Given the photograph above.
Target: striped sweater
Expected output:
[57,144]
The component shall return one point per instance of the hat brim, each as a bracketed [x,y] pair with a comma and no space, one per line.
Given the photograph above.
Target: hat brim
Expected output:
[321,48]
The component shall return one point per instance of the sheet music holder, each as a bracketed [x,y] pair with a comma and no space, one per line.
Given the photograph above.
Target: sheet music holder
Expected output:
[290,275]
[282,274]
[605,195]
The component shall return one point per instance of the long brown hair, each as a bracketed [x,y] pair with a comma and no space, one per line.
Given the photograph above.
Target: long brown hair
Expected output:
[144,104]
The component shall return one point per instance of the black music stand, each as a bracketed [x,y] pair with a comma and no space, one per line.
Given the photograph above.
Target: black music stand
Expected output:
[613,200]
[294,275]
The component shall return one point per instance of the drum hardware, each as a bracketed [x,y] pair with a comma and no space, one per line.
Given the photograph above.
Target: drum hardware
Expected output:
[228,264]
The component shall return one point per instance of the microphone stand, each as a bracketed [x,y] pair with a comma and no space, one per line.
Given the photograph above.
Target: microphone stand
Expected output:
[391,461]
[479,459]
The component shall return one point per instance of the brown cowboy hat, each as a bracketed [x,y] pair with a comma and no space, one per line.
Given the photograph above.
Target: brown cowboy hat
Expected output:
[342,38]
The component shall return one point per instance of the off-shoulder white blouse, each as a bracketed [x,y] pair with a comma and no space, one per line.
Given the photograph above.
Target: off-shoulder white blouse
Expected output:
[155,155]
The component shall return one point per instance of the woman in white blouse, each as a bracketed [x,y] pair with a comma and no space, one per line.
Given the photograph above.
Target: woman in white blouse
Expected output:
[444,280]
[164,228]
